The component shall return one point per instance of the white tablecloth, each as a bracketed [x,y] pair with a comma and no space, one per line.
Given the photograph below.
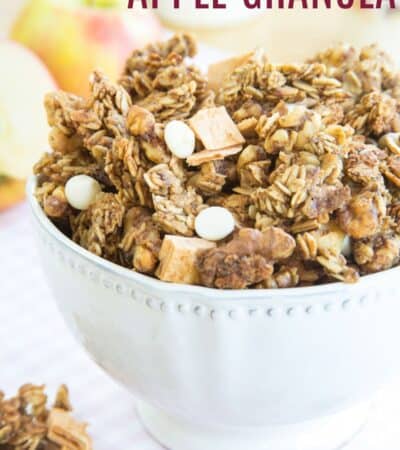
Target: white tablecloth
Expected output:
[35,346]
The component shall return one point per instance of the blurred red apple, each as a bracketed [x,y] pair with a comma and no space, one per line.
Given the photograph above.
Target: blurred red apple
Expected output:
[73,37]
[24,80]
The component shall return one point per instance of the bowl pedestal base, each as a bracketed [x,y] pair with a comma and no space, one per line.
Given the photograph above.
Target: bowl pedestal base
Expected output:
[328,433]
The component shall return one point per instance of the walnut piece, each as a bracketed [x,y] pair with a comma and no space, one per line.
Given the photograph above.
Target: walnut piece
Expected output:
[362,216]
[246,260]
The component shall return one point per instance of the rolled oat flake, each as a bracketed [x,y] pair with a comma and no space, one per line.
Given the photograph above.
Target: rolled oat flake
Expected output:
[214,223]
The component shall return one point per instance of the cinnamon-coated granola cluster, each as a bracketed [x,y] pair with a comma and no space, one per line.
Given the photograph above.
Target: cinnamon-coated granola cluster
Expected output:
[306,158]
[26,422]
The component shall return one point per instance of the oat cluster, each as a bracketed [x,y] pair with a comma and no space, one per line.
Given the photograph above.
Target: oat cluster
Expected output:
[26,422]
[305,156]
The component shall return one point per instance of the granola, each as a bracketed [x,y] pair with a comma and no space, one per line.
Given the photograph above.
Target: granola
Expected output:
[305,157]
[26,422]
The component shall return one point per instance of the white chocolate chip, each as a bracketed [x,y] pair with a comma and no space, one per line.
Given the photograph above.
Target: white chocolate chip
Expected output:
[81,190]
[214,223]
[179,138]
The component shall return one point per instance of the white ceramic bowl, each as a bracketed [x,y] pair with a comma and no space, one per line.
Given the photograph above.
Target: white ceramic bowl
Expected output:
[290,369]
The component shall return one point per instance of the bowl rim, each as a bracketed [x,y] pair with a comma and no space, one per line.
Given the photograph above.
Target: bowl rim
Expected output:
[184,289]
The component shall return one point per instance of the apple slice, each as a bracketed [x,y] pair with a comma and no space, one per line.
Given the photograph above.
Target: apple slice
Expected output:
[23,127]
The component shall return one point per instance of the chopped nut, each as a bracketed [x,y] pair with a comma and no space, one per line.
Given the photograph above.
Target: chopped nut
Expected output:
[178,258]
[215,128]
[56,204]
[140,121]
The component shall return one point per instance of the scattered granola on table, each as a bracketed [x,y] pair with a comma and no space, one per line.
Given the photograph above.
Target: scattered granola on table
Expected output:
[26,422]
[304,158]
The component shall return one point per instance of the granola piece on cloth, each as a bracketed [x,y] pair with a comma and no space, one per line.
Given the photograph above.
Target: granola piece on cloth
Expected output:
[65,431]
[26,422]
[246,260]
[62,400]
